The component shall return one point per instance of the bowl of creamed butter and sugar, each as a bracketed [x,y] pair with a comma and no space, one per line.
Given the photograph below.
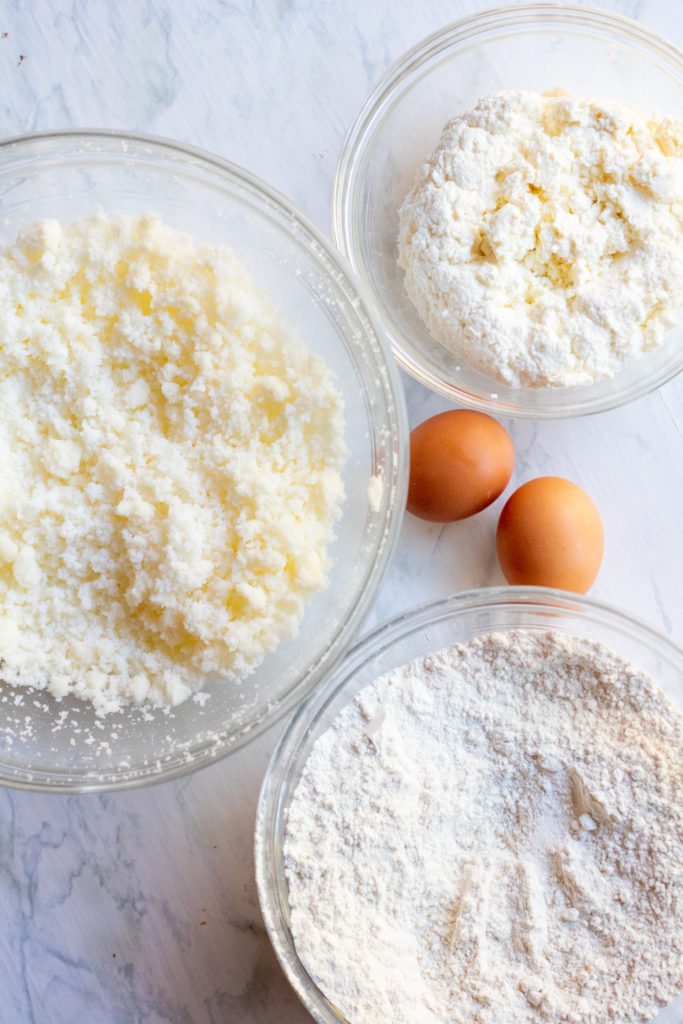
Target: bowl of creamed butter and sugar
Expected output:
[509,196]
[202,459]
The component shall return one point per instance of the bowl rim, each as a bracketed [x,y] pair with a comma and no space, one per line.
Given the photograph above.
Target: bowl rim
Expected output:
[294,745]
[370,116]
[289,220]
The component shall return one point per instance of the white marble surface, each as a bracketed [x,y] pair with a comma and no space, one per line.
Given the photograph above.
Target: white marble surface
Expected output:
[140,907]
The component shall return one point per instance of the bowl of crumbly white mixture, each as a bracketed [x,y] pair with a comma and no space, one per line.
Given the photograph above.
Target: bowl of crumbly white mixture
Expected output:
[202,459]
[479,817]
[510,196]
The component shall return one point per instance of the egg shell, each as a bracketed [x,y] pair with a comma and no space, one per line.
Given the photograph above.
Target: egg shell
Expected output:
[550,534]
[460,462]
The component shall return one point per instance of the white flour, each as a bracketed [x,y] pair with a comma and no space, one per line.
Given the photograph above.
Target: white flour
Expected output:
[494,834]
[543,238]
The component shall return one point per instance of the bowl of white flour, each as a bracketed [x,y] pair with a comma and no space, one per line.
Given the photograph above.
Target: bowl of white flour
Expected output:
[479,817]
[510,195]
[202,459]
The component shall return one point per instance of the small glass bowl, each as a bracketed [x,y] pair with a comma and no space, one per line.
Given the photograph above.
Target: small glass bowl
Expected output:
[397,642]
[525,46]
[61,745]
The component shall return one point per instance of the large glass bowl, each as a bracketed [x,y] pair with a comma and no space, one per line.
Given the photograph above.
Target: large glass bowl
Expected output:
[411,635]
[523,46]
[61,745]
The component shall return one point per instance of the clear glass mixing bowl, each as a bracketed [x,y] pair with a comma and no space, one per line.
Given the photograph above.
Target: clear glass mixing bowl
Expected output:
[411,635]
[47,744]
[523,46]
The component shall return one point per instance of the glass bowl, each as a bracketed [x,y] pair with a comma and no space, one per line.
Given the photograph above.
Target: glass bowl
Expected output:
[47,744]
[397,642]
[527,46]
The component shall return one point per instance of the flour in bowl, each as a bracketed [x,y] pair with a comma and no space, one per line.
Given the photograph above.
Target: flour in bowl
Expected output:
[494,834]
[542,240]
[170,464]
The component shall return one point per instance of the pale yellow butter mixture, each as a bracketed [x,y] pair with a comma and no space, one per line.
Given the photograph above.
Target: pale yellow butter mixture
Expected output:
[170,464]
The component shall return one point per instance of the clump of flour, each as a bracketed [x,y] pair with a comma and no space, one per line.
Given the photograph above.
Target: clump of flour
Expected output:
[494,833]
[542,241]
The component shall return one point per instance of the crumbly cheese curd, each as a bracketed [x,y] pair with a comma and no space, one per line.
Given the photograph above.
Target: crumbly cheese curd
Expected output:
[542,241]
[170,464]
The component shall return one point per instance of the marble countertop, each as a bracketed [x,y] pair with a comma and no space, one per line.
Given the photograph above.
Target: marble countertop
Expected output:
[141,907]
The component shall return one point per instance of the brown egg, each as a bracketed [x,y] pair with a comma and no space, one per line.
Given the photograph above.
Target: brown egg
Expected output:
[550,535]
[460,461]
